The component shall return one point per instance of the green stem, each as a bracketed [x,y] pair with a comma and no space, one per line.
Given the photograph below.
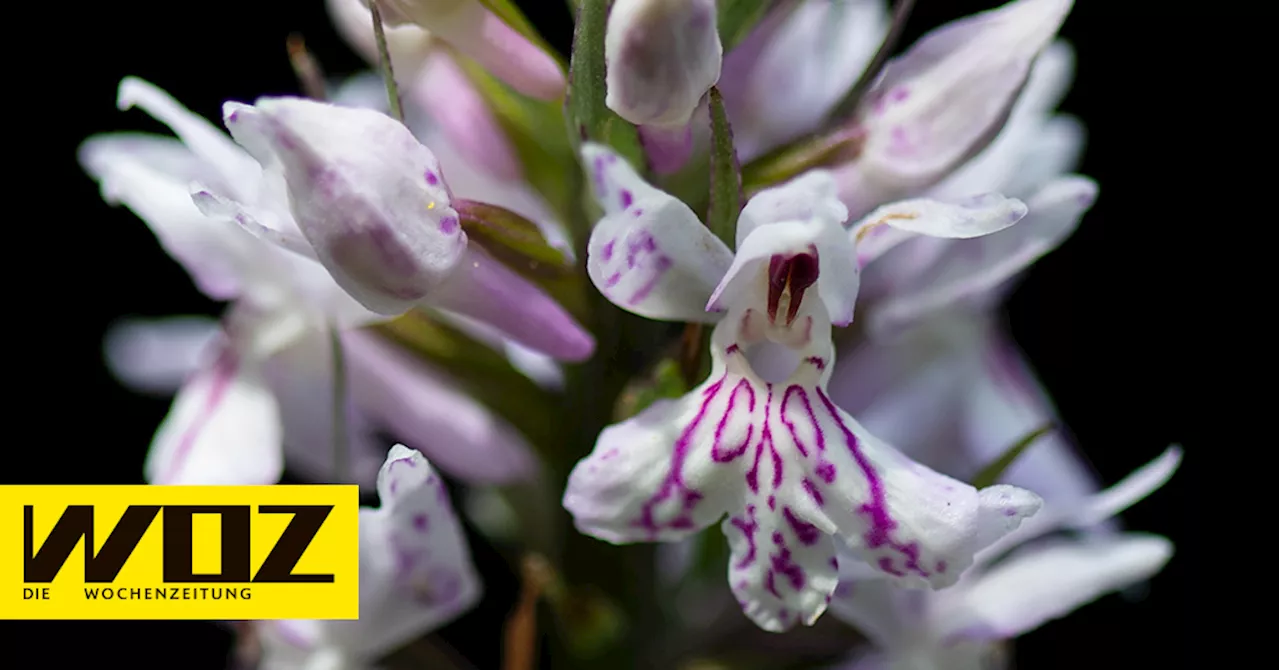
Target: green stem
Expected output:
[384,60]
[341,450]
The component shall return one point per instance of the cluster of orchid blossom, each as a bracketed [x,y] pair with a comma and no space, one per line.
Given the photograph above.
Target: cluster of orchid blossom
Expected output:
[325,223]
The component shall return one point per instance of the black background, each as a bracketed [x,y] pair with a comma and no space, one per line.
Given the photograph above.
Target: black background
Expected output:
[1117,321]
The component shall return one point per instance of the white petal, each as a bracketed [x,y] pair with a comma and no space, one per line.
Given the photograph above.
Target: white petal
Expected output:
[661,58]
[205,140]
[415,568]
[654,477]
[910,522]
[158,355]
[223,428]
[1047,583]
[895,223]
[650,254]
[408,44]
[150,176]
[1096,508]
[781,573]
[801,216]
[365,193]
[807,65]
[970,270]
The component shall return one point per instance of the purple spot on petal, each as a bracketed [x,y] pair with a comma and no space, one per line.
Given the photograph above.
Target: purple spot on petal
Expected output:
[420,522]
[448,224]
[431,177]
[626,197]
[806,532]
[606,252]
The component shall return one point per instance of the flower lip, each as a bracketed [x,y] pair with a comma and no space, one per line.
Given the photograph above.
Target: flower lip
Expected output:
[790,276]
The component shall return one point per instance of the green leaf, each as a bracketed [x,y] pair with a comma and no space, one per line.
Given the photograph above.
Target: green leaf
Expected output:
[535,128]
[513,17]
[483,373]
[994,470]
[726,177]
[591,621]
[585,111]
[737,18]
[788,161]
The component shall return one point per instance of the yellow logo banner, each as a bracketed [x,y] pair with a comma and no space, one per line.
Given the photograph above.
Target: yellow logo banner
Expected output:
[179,552]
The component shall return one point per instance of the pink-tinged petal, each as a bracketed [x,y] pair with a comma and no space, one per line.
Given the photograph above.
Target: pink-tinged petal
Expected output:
[158,355]
[422,407]
[1049,582]
[408,44]
[150,176]
[810,61]
[415,568]
[223,428]
[650,254]
[483,288]
[942,101]
[668,149]
[367,196]
[970,270]
[479,34]
[301,379]
[235,168]
[800,217]
[890,225]
[654,477]
[660,59]
[444,92]
[1033,147]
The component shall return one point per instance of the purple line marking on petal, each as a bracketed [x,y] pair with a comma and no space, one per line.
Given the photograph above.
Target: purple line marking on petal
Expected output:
[804,531]
[773,502]
[223,370]
[726,456]
[781,563]
[606,252]
[748,528]
[674,480]
[766,437]
[817,362]
[626,198]
[660,266]
[732,349]
[613,280]
[597,171]
[875,510]
[812,490]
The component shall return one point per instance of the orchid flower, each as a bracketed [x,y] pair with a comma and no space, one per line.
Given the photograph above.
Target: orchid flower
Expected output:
[939,103]
[263,376]
[661,58]
[788,466]
[358,193]
[1015,586]
[786,76]
[415,575]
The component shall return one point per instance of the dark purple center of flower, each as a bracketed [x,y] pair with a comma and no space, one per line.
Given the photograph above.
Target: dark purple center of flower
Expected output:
[796,273]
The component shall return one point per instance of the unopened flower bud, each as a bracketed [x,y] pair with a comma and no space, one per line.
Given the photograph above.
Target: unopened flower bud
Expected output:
[661,57]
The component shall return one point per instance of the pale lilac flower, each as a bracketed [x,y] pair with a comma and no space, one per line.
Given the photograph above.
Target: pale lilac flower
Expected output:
[1018,584]
[785,77]
[944,99]
[265,375]
[368,201]
[790,468]
[415,575]
[661,58]
[469,27]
